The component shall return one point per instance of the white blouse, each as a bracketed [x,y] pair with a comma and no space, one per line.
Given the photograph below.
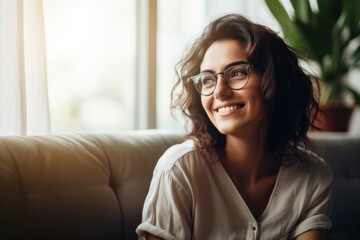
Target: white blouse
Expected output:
[193,198]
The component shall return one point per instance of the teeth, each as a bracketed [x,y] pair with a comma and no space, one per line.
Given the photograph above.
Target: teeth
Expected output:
[227,109]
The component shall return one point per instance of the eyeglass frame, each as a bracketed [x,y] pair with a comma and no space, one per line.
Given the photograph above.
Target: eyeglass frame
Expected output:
[231,66]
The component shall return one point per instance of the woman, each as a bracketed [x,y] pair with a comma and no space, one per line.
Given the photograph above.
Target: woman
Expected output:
[242,173]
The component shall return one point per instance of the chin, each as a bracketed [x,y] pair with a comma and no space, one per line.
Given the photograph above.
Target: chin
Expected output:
[228,130]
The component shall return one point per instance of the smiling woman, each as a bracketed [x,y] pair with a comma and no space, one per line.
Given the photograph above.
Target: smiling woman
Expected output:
[91,49]
[246,157]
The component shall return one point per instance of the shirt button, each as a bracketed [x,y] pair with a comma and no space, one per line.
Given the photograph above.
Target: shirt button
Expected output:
[254,228]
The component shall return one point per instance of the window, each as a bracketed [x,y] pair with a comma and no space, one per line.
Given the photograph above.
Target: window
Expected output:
[91,51]
[93,66]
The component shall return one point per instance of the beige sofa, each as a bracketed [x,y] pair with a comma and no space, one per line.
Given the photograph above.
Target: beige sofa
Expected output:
[92,185]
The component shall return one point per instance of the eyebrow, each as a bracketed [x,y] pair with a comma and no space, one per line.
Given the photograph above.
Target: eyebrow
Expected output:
[227,66]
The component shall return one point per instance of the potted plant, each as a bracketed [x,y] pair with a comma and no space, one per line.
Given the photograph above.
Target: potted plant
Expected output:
[329,35]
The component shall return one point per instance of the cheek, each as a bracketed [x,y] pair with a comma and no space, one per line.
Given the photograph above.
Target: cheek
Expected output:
[206,103]
[203,102]
[259,106]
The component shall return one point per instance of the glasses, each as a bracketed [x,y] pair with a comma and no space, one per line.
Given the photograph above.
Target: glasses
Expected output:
[235,77]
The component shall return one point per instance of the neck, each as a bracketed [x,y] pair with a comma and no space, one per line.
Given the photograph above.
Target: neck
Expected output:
[248,158]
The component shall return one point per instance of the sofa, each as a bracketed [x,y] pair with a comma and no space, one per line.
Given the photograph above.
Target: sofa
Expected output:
[84,185]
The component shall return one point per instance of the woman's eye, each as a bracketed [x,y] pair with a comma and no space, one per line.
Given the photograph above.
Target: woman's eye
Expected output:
[207,81]
[237,74]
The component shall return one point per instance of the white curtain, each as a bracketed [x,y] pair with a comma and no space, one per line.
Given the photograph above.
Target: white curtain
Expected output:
[24,108]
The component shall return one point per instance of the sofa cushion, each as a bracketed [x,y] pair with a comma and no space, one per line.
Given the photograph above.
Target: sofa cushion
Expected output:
[78,185]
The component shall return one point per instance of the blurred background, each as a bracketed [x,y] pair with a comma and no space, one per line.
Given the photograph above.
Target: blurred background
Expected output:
[92,55]
[110,64]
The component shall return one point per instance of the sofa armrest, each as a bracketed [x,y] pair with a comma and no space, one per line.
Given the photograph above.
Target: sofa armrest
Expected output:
[342,152]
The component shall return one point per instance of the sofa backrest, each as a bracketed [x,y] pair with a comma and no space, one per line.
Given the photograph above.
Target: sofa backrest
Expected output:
[342,153]
[93,185]
[77,186]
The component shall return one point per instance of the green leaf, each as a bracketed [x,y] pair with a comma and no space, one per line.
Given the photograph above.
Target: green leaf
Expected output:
[329,36]
[354,93]
[303,11]
[317,42]
[292,34]
[351,10]
[355,58]
[329,13]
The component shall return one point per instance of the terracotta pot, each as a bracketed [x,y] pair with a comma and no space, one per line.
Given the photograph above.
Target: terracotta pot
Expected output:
[335,118]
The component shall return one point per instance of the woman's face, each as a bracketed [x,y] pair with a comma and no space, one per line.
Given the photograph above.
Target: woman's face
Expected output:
[233,112]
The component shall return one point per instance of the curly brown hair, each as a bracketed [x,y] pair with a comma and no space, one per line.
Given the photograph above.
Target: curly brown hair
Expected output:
[290,93]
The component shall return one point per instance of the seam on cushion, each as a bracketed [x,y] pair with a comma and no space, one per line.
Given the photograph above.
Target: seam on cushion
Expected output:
[101,146]
[20,187]
[110,183]
[78,140]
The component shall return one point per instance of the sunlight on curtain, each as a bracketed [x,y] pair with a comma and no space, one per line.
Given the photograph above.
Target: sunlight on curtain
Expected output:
[23,87]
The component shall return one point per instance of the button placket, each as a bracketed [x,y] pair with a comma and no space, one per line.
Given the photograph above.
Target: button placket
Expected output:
[252,231]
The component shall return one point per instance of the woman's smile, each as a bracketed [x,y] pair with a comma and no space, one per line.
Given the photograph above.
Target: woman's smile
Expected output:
[228,109]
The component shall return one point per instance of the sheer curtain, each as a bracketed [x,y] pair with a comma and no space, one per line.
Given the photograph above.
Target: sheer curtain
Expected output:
[24,108]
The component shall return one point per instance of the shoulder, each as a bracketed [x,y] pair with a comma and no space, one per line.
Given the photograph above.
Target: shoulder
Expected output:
[174,156]
[311,170]
[182,164]
[307,187]
[317,166]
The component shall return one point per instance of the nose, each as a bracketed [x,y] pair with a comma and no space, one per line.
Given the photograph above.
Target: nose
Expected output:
[221,88]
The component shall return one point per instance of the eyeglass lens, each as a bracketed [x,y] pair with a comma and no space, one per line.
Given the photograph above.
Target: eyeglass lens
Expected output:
[235,78]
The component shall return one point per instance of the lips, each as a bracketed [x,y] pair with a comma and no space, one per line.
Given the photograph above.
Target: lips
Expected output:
[229,108]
